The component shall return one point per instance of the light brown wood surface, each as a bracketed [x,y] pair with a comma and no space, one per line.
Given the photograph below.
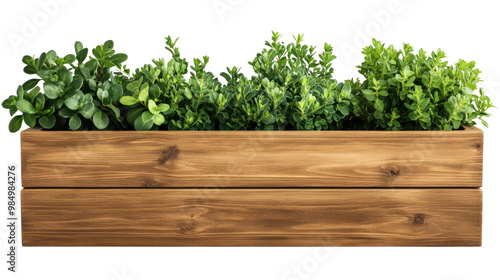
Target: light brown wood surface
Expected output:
[252,158]
[251,217]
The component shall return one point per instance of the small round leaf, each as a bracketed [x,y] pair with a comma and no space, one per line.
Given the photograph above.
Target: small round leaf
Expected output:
[75,122]
[100,119]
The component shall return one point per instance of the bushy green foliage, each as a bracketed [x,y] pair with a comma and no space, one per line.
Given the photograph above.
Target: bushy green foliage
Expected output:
[78,93]
[404,90]
[292,88]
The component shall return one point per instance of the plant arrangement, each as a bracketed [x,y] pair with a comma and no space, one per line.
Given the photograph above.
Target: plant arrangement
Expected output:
[292,88]
[413,91]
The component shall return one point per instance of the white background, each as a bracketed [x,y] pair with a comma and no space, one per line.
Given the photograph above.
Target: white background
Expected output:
[231,32]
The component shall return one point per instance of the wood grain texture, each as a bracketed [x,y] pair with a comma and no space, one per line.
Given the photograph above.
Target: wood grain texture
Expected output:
[252,158]
[251,217]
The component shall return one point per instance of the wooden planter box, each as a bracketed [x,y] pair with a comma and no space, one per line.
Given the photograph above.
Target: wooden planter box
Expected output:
[252,188]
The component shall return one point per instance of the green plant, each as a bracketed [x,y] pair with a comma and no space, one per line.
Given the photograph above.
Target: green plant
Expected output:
[413,91]
[292,88]
[159,94]
[78,93]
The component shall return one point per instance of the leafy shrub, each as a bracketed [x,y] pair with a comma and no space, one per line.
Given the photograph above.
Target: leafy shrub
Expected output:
[413,91]
[79,93]
[292,88]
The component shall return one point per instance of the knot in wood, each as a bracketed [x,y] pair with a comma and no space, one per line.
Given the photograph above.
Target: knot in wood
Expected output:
[419,219]
[392,172]
[150,183]
[169,154]
[187,229]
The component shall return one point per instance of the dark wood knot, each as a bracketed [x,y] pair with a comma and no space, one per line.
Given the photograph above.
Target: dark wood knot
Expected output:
[419,219]
[150,183]
[392,172]
[169,154]
[187,229]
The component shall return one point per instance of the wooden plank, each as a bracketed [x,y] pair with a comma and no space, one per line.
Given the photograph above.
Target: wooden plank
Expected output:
[251,217]
[252,158]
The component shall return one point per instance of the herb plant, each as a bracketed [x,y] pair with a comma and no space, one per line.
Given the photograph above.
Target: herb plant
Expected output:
[292,88]
[78,93]
[413,91]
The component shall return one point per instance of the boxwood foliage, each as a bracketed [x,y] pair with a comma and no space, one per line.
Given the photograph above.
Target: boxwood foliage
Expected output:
[292,87]
[413,91]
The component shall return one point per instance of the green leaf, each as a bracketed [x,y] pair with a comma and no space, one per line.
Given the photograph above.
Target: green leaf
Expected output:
[115,92]
[485,123]
[65,76]
[30,84]
[128,100]
[139,124]
[100,119]
[379,105]
[66,113]
[118,58]
[144,94]
[369,94]
[59,103]
[152,107]
[86,70]
[92,84]
[163,107]
[12,111]
[132,87]
[72,103]
[20,92]
[88,110]
[10,102]
[47,122]
[30,70]
[103,95]
[33,93]
[82,55]
[27,59]
[97,52]
[158,119]
[108,45]
[25,106]
[29,120]
[15,123]
[75,85]
[154,91]
[41,60]
[147,116]
[134,114]
[115,110]
[52,91]
[69,58]
[78,47]
[75,122]
[344,110]
[188,93]
[51,56]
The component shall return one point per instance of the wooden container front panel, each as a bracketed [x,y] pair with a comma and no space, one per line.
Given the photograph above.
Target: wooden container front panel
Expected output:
[252,158]
[251,217]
